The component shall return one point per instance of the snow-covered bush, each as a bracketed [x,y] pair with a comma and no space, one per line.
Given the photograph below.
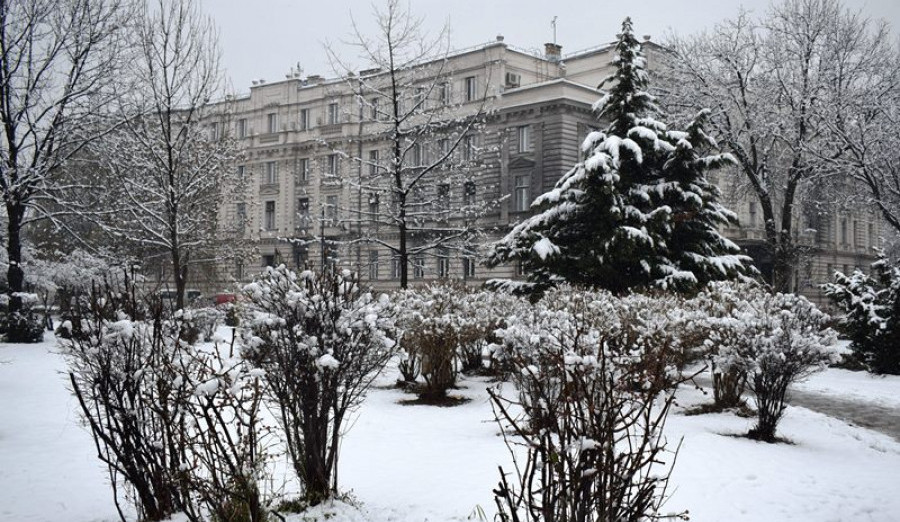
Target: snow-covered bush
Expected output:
[205,321]
[594,393]
[727,325]
[178,427]
[431,320]
[450,328]
[124,367]
[321,341]
[871,305]
[789,339]
[230,436]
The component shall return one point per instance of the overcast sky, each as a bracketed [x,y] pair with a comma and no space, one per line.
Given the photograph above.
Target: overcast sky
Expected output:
[265,38]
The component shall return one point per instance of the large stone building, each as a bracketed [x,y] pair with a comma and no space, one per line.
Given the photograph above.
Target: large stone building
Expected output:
[301,194]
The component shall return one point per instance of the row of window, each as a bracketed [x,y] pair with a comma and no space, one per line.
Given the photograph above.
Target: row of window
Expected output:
[333,110]
[861,239]
[417,266]
[419,156]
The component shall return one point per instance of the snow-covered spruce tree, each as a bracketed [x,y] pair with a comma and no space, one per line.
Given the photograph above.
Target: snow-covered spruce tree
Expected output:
[871,305]
[637,212]
[588,444]
[321,341]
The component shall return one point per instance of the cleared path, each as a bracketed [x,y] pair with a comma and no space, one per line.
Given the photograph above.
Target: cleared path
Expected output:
[882,419]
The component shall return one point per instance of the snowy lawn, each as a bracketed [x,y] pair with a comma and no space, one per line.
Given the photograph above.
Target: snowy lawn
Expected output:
[415,463]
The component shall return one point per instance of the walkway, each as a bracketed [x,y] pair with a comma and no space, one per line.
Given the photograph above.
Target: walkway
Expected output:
[882,419]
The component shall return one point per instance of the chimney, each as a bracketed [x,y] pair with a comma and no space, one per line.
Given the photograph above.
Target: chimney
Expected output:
[499,37]
[552,52]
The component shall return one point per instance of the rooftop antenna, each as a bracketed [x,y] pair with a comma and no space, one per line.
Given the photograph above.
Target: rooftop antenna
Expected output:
[553,25]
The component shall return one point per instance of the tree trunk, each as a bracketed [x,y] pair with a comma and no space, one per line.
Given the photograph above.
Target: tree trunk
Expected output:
[17,324]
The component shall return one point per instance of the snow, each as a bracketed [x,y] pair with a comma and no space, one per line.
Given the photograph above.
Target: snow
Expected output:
[855,386]
[405,463]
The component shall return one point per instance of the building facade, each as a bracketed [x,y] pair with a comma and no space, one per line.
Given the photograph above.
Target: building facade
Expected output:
[304,141]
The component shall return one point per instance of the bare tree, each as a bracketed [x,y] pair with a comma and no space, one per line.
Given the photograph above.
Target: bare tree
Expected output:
[57,58]
[765,81]
[174,153]
[419,195]
[862,124]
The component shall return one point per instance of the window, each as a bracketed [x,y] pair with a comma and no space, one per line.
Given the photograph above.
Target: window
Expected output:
[373,162]
[524,136]
[304,119]
[418,263]
[844,233]
[395,267]
[242,128]
[417,155]
[271,177]
[373,106]
[469,194]
[522,193]
[373,205]
[373,265]
[443,197]
[468,267]
[752,211]
[471,88]
[469,148]
[268,260]
[333,164]
[240,213]
[333,114]
[241,173]
[239,270]
[303,170]
[444,93]
[419,99]
[857,234]
[213,131]
[443,146]
[301,256]
[269,216]
[331,209]
[302,212]
[271,122]
[443,264]
[871,235]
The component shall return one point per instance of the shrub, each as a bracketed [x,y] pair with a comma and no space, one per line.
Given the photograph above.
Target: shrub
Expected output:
[322,342]
[178,425]
[789,339]
[594,397]
[431,321]
[122,367]
[871,305]
[24,326]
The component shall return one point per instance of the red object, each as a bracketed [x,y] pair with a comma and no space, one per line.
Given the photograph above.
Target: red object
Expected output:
[225,298]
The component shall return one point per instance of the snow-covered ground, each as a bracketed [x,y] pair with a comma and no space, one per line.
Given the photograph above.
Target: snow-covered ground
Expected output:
[414,463]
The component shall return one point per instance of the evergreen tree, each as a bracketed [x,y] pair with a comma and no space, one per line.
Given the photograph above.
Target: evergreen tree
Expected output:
[637,212]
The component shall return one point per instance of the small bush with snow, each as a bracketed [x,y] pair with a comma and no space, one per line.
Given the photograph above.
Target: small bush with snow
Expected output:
[321,341]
